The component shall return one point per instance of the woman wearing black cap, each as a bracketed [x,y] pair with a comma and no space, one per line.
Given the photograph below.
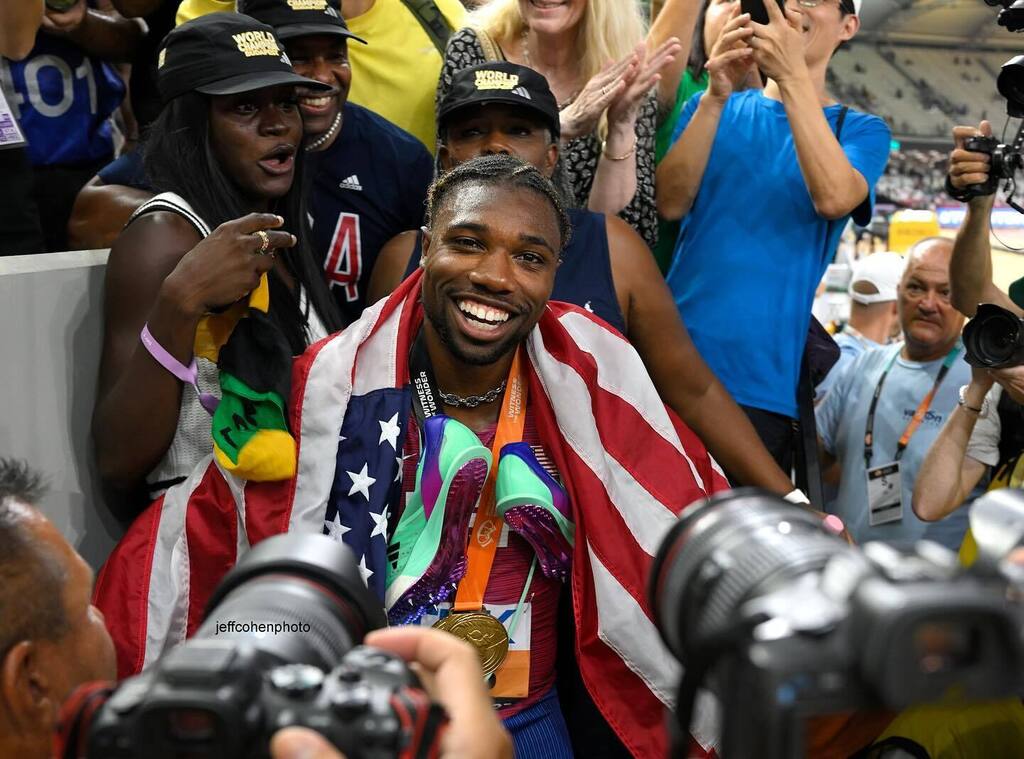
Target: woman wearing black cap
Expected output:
[225,156]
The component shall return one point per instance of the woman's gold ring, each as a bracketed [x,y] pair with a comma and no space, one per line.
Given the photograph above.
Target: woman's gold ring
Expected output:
[264,242]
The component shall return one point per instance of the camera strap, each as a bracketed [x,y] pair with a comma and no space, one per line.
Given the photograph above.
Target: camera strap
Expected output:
[915,421]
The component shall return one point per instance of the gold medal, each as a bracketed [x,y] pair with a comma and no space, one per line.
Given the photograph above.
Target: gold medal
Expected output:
[482,631]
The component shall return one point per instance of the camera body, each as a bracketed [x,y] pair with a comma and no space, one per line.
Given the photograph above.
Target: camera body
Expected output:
[889,642]
[219,699]
[783,621]
[1004,161]
[278,647]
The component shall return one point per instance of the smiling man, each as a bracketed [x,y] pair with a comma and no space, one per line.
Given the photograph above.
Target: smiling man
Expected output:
[765,182]
[479,448]
[889,405]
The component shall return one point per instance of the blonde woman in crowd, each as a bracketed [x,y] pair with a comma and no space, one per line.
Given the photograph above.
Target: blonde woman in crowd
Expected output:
[592,54]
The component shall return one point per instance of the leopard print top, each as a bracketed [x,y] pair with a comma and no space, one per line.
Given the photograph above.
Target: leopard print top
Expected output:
[580,156]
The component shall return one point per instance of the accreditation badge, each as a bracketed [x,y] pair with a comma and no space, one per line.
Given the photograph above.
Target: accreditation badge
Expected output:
[10,133]
[511,679]
[885,494]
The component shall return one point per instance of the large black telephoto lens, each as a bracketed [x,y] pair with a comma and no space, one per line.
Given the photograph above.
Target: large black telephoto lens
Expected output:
[297,599]
[994,338]
[738,545]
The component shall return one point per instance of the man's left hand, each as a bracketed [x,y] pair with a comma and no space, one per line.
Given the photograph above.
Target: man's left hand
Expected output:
[65,22]
[779,44]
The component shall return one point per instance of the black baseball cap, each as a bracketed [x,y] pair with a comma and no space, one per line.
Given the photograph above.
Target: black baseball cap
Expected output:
[501,82]
[224,54]
[297,18]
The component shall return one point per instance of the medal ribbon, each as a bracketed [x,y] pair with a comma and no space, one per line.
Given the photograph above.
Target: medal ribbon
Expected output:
[915,421]
[483,542]
[486,533]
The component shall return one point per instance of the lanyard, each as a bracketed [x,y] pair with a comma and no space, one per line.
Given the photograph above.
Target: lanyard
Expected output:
[915,421]
[483,543]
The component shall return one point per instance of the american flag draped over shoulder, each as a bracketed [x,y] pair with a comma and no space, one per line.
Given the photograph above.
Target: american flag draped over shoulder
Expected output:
[628,464]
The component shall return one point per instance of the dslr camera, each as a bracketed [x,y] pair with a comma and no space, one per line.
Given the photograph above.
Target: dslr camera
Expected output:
[277,648]
[783,620]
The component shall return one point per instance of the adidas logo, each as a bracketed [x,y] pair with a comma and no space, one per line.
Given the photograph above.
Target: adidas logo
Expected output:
[350,183]
[331,12]
[522,92]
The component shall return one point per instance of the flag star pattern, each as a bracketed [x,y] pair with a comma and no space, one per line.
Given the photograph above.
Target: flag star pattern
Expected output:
[361,482]
[389,431]
[365,485]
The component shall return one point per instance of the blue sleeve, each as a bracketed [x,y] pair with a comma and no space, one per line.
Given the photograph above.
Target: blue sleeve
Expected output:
[866,141]
[830,411]
[684,118]
[127,170]
[421,174]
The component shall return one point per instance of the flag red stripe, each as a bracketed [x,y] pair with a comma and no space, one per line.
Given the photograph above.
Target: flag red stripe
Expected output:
[122,589]
[211,531]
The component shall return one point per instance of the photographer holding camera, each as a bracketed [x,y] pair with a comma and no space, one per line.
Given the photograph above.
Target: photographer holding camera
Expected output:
[987,430]
[450,671]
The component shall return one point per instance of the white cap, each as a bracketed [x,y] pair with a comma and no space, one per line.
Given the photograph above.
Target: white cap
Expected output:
[883,270]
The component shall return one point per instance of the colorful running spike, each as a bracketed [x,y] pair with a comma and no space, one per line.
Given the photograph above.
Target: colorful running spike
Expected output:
[534,505]
[429,544]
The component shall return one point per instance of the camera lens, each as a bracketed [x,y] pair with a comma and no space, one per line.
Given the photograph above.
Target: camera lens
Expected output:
[734,547]
[299,599]
[993,337]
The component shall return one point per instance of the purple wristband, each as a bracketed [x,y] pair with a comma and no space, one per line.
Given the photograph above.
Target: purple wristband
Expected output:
[188,374]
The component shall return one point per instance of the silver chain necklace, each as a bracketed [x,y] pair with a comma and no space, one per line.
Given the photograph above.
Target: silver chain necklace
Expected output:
[326,136]
[472,401]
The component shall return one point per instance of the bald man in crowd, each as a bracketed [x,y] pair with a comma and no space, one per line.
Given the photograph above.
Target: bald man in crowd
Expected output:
[883,413]
[52,638]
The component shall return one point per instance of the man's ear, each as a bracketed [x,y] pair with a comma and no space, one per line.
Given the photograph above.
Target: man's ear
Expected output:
[25,690]
[444,158]
[851,25]
[551,159]
[424,245]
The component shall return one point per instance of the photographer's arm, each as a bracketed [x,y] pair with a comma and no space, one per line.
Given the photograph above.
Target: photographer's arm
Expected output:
[948,474]
[970,269]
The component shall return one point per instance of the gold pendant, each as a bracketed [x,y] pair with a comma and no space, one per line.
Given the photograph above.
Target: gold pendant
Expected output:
[482,631]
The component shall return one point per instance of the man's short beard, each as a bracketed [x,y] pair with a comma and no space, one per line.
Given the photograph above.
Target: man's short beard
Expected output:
[492,356]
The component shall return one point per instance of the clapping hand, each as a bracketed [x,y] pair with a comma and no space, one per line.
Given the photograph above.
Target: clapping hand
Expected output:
[581,116]
[639,79]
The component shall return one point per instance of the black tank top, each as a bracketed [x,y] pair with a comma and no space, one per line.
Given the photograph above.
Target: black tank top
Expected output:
[584,277]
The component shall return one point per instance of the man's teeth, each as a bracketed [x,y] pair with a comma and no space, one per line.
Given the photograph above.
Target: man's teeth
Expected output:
[315,102]
[486,314]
